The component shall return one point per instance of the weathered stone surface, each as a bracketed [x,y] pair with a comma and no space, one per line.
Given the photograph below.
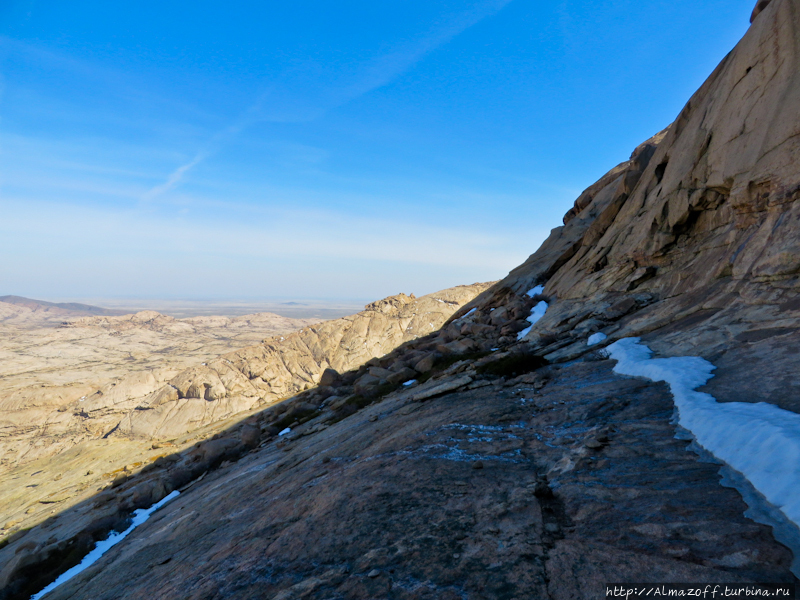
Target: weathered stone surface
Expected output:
[402,375]
[400,497]
[436,387]
[426,363]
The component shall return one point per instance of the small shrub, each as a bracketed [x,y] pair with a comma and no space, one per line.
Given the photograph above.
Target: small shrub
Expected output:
[513,365]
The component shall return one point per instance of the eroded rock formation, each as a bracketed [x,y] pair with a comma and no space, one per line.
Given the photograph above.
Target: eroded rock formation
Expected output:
[281,367]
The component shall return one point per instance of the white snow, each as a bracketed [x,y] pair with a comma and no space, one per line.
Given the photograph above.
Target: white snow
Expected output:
[410,382]
[139,516]
[285,431]
[759,440]
[596,338]
[536,313]
[468,314]
[537,290]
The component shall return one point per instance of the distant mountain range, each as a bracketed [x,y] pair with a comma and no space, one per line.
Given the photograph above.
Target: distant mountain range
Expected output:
[75,308]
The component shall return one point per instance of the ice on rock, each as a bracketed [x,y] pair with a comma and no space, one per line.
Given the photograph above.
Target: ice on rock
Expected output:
[759,440]
[596,338]
[139,516]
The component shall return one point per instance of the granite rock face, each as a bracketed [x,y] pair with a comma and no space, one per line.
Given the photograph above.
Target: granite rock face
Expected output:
[387,503]
[693,242]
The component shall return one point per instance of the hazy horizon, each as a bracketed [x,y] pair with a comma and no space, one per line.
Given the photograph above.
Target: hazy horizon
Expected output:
[320,151]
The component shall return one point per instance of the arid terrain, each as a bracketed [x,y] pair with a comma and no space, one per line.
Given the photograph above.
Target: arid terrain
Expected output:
[53,359]
[87,400]
[494,441]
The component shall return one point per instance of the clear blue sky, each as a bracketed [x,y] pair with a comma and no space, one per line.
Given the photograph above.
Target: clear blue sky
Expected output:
[310,149]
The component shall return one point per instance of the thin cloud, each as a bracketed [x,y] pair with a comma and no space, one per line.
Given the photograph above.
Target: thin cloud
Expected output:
[375,74]
[265,238]
[386,68]
[175,177]
[120,83]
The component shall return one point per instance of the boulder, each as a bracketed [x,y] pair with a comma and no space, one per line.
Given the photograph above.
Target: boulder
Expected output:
[461,346]
[426,363]
[214,451]
[498,316]
[402,375]
[329,377]
[366,384]
[250,435]
[380,373]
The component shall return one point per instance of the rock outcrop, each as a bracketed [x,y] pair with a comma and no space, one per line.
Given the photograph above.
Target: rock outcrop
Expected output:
[66,378]
[698,240]
[282,367]
[157,400]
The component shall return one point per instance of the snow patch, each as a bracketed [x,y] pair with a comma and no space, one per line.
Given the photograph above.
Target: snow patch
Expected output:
[139,516]
[596,338]
[468,314]
[409,382]
[536,313]
[759,440]
[539,289]
[285,431]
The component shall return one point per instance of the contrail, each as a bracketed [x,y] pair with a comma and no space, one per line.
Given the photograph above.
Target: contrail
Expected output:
[376,73]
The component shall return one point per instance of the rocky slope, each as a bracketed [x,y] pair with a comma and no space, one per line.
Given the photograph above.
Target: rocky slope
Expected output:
[693,243]
[130,376]
[495,458]
[115,392]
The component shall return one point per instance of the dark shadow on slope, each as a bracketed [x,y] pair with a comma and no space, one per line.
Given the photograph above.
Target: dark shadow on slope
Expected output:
[39,564]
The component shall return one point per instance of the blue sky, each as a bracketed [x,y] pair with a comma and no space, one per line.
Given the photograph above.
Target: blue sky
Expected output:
[329,150]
